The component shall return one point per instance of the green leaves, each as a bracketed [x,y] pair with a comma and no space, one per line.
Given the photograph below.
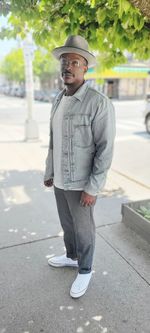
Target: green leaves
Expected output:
[145,212]
[13,66]
[44,65]
[108,25]
[124,6]
[101,15]
[138,21]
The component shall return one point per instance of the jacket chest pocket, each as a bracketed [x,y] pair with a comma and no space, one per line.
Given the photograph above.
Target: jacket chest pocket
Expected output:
[82,131]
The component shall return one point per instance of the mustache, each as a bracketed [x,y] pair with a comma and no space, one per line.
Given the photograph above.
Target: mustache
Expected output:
[67,72]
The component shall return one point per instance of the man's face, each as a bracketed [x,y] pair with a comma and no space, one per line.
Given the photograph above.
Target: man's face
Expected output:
[73,68]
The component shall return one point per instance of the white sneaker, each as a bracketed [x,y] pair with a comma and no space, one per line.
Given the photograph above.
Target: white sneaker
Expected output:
[80,285]
[62,261]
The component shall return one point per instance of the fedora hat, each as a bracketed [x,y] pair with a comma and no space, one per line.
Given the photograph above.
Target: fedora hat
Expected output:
[78,45]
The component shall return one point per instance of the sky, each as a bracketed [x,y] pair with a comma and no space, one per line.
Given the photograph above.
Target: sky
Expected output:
[5,44]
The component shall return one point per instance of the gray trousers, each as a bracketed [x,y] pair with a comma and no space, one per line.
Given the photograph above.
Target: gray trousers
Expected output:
[79,228]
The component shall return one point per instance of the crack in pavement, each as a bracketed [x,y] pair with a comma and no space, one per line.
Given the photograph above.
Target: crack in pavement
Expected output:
[128,262]
[130,178]
[29,242]
[56,236]
[45,238]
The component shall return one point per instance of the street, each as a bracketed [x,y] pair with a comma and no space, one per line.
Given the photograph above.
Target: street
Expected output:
[132,144]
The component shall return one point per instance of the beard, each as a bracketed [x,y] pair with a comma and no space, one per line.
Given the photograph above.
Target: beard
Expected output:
[68,83]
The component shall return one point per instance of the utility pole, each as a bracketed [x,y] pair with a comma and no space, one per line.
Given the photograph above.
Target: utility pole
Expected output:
[31,127]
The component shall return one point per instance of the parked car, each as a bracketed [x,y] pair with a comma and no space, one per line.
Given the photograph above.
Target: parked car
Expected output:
[52,94]
[2,89]
[46,97]
[7,90]
[38,95]
[20,92]
[12,91]
[147,114]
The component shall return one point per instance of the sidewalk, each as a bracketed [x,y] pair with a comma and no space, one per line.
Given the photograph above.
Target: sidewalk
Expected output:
[35,297]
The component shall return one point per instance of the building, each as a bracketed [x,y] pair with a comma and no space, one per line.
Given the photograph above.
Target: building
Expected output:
[129,81]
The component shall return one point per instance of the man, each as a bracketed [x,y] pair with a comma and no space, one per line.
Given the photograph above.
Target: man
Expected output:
[82,130]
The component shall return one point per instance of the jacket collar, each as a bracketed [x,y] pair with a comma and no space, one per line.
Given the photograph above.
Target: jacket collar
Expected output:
[79,94]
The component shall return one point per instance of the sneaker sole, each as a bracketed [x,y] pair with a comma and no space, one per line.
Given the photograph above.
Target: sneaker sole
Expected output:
[62,265]
[77,295]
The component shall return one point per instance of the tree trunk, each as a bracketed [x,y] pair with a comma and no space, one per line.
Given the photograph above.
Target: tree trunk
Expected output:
[143,6]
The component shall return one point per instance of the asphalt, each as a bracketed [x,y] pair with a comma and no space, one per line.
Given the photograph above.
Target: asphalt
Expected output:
[34,297]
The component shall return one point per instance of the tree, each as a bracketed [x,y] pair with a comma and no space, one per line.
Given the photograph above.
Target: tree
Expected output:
[110,26]
[44,66]
[12,66]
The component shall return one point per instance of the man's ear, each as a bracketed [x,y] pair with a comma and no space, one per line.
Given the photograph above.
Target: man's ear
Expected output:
[85,69]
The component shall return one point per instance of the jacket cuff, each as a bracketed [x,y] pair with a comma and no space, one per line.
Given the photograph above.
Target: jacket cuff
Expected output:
[95,184]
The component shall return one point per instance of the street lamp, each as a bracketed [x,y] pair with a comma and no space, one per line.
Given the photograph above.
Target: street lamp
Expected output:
[31,127]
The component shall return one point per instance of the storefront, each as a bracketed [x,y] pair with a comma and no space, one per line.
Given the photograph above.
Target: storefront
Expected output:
[122,82]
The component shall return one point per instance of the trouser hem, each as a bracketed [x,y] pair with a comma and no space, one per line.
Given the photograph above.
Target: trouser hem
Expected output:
[84,271]
[71,256]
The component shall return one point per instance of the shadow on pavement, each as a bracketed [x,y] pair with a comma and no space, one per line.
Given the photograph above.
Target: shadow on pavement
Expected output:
[27,210]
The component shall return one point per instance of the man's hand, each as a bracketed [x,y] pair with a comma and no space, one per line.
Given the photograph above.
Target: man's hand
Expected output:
[48,182]
[87,199]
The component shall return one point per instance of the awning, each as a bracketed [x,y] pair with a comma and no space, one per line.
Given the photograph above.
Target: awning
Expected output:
[119,72]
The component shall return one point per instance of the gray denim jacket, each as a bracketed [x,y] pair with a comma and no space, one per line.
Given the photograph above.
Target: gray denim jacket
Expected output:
[88,140]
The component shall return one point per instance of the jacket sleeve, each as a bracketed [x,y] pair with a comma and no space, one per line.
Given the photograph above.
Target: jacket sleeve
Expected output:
[104,143]
[49,169]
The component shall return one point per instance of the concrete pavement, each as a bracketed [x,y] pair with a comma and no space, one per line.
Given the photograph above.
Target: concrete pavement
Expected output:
[34,297]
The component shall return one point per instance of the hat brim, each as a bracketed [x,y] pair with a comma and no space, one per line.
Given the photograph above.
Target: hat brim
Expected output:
[58,51]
